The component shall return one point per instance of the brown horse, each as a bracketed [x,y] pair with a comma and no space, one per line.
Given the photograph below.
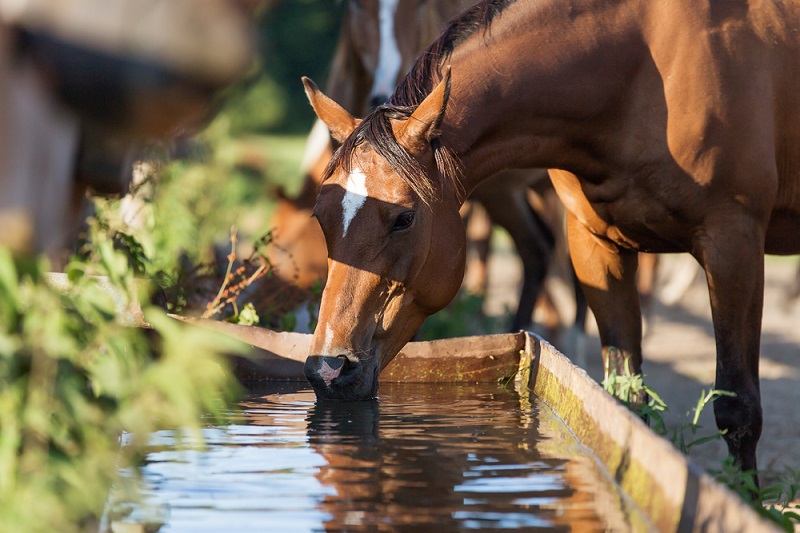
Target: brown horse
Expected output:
[378,43]
[675,128]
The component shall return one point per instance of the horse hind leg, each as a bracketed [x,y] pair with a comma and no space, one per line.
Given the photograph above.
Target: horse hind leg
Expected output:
[645,282]
[479,234]
[576,336]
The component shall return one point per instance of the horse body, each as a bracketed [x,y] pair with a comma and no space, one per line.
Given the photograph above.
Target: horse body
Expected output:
[673,129]
[648,130]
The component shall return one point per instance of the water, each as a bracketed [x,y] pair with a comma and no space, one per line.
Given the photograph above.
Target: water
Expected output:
[443,458]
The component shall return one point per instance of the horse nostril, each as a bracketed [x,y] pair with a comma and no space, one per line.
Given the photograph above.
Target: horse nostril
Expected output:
[330,368]
[324,368]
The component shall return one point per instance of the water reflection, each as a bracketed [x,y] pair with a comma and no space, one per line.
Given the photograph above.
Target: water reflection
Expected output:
[449,457]
[444,458]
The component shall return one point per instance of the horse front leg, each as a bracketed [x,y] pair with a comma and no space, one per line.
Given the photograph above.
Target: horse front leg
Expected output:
[732,254]
[607,274]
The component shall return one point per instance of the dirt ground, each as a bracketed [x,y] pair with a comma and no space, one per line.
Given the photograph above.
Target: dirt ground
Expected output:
[679,354]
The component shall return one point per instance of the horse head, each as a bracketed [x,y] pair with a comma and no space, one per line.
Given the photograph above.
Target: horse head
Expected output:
[396,245]
[378,43]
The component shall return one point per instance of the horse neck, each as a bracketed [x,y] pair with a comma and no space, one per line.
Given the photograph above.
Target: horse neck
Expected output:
[552,70]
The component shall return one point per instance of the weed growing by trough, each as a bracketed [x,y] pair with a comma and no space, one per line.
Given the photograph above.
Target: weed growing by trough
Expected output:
[773,502]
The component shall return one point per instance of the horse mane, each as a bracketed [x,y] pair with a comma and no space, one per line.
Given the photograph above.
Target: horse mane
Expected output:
[376,129]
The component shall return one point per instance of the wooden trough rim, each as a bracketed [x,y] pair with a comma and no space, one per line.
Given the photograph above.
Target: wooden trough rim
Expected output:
[673,492]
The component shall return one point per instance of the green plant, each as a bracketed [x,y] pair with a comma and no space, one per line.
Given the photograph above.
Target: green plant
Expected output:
[73,379]
[679,435]
[629,389]
[773,502]
[464,316]
[236,281]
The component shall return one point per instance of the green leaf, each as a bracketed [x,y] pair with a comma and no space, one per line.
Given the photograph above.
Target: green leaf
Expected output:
[248,315]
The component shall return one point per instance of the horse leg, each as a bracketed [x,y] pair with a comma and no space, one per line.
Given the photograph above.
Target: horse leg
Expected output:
[479,235]
[732,254]
[546,315]
[607,274]
[646,281]
[577,334]
[511,210]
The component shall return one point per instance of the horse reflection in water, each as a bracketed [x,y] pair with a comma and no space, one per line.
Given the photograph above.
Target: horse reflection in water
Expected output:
[422,458]
[674,127]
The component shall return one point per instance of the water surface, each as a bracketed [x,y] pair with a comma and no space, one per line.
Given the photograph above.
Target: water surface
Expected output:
[422,458]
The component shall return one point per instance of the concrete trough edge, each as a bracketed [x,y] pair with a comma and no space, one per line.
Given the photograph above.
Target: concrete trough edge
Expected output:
[280,356]
[669,488]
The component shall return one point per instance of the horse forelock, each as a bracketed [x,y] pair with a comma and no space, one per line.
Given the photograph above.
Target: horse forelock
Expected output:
[376,131]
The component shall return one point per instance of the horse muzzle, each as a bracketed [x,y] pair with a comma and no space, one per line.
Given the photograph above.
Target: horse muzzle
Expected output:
[339,378]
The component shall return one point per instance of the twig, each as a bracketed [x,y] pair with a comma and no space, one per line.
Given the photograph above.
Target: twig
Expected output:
[213,307]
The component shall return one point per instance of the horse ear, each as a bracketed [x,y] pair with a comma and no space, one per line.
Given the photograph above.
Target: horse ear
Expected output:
[339,121]
[416,133]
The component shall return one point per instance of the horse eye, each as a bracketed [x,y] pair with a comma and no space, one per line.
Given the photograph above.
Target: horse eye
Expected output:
[403,221]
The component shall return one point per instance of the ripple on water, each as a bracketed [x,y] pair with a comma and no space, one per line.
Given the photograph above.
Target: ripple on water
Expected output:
[448,457]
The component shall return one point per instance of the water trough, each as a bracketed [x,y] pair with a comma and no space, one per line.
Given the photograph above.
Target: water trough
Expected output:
[674,493]
[671,491]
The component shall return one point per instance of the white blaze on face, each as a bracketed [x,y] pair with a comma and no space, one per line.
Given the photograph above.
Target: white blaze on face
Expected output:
[330,350]
[389,59]
[326,348]
[354,197]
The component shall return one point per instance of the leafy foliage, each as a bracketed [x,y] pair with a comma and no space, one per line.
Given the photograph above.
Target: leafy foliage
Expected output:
[773,502]
[463,317]
[74,379]
[629,388]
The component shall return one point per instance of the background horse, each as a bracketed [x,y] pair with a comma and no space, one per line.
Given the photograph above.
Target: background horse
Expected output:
[671,128]
[379,42]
